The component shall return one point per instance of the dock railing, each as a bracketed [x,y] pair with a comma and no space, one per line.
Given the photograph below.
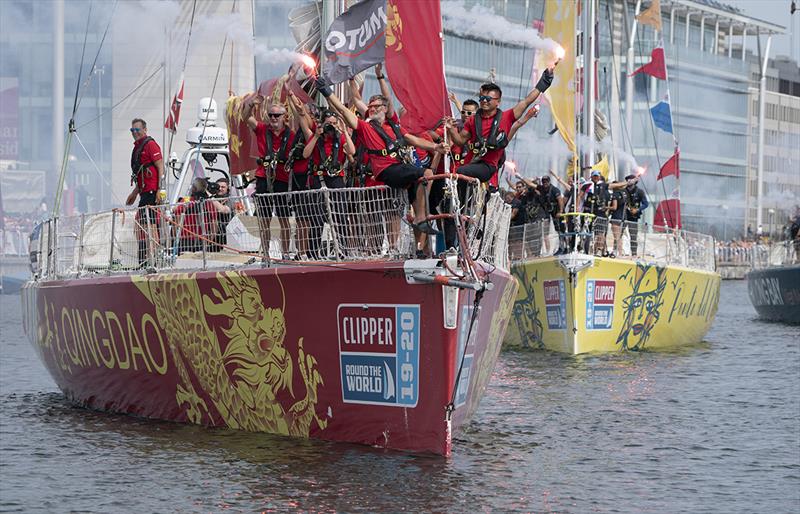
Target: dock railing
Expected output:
[324,225]
[603,237]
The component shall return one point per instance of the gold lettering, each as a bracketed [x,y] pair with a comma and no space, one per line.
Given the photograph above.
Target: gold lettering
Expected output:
[107,362]
[122,364]
[85,336]
[162,369]
[74,357]
[136,348]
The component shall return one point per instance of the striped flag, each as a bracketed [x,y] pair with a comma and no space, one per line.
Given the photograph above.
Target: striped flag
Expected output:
[174,115]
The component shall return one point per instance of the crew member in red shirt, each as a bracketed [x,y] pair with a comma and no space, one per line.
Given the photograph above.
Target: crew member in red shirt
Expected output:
[488,143]
[275,140]
[147,165]
[384,140]
[327,150]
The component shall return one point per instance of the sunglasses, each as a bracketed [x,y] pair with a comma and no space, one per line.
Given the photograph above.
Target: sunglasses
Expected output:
[135,130]
[484,98]
[275,114]
[467,113]
[374,106]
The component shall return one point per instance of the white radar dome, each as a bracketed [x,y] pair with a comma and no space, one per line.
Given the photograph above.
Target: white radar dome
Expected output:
[207,109]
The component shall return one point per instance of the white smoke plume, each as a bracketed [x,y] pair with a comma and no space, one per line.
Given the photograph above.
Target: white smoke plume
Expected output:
[147,21]
[482,22]
[276,55]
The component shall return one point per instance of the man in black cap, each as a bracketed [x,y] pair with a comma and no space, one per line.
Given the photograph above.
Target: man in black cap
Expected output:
[635,201]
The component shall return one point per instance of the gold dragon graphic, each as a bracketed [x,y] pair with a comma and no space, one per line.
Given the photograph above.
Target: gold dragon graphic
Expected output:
[245,379]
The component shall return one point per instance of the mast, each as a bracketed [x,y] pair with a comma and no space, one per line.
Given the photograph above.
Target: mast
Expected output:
[58,88]
[589,15]
[629,94]
[762,90]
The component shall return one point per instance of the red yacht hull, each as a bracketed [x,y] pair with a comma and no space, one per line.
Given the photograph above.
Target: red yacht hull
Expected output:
[343,353]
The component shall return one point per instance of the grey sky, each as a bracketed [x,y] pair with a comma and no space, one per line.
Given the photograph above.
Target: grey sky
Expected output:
[776,11]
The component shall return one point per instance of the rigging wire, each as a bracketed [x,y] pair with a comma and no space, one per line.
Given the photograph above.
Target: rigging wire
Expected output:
[97,168]
[655,139]
[626,137]
[522,70]
[65,157]
[615,72]
[80,69]
[211,98]
[97,55]
[165,178]
[134,90]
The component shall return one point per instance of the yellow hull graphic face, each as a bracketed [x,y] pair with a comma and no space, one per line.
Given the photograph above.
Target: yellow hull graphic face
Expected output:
[610,305]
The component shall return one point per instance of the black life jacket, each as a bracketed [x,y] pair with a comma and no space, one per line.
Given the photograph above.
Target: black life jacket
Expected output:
[497,138]
[362,169]
[136,160]
[296,151]
[330,164]
[272,158]
[599,200]
[550,203]
[633,200]
[393,146]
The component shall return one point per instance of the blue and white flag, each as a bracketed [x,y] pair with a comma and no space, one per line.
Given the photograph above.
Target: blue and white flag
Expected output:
[662,115]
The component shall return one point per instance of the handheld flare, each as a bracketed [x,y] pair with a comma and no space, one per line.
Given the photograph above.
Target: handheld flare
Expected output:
[309,65]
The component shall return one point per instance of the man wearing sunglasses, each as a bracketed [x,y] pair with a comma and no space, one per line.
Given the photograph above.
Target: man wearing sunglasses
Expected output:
[486,133]
[383,139]
[275,141]
[147,165]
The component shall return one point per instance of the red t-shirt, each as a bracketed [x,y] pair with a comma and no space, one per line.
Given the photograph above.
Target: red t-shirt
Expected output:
[370,138]
[189,214]
[261,138]
[327,142]
[507,119]
[455,154]
[147,180]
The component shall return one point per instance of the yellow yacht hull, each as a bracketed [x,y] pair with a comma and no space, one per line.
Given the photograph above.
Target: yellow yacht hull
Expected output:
[578,304]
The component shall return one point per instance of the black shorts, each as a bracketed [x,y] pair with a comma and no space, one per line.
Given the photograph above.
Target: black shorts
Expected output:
[402,176]
[267,203]
[479,170]
[145,199]
[336,182]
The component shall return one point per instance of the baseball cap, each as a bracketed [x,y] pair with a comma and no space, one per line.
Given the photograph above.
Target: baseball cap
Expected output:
[629,177]
[596,173]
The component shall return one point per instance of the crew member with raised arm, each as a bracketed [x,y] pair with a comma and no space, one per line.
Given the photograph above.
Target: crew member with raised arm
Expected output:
[486,134]
[274,147]
[385,153]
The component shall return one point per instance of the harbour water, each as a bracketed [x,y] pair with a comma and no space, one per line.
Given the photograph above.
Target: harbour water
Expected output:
[710,428]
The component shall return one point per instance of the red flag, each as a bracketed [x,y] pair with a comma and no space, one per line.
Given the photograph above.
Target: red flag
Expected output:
[174,115]
[414,62]
[656,67]
[671,167]
[241,140]
[668,213]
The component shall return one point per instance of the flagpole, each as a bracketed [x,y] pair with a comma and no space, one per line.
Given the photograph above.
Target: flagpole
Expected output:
[629,65]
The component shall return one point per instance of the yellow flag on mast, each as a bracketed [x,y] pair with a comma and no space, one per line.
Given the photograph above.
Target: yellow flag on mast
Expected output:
[651,16]
[559,25]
